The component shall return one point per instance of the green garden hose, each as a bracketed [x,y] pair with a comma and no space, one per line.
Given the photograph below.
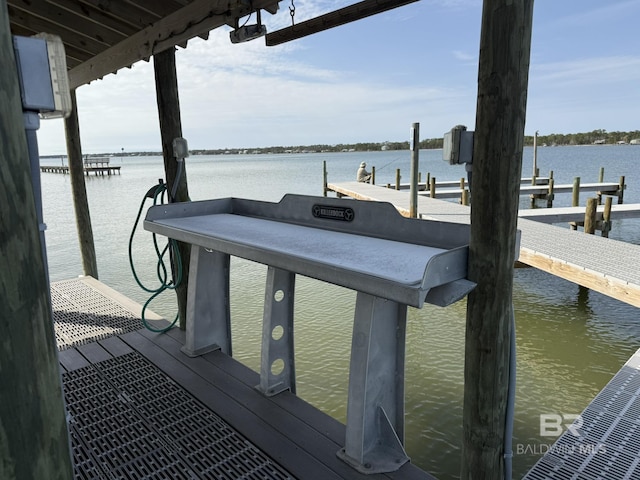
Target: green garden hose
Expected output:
[156,193]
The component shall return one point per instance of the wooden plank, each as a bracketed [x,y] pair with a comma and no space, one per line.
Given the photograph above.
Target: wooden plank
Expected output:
[71,359]
[94,352]
[566,188]
[607,285]
[115,346]
[576,214]
[86,34]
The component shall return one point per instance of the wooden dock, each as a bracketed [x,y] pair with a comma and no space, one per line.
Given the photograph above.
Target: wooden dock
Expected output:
[601,264]
[453,189]
[96,165]
[110,170]
[140,408]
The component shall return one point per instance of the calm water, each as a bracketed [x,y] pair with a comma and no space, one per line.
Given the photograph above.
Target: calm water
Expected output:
[569,345]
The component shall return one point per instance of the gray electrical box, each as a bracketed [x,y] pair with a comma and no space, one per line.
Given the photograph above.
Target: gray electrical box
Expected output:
[457,146]
[32,61]
[42,70]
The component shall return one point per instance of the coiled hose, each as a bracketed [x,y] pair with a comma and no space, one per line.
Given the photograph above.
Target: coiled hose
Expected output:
[167,281]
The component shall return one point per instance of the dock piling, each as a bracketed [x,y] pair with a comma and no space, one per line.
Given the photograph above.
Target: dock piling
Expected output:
[324,178]
[606,217]
[575,199]
[590,216]
[550,192]
[413,189]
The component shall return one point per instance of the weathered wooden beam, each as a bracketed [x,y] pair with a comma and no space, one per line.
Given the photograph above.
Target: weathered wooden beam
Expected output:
[127,23]
[193,20]
[164,64]
[34,442]
[40,16]
[608,285]
[79,191]
[503,72]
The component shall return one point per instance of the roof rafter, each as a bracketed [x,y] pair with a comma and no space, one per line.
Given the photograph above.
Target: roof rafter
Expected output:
[195,19]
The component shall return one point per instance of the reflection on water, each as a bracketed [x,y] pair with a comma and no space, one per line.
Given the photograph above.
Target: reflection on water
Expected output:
[570,342]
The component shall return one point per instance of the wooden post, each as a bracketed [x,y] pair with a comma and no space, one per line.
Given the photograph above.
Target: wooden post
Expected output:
[575,193]
[79,191]
[606,217]
[164,65]
[415,163]
[465,197]
[600,180]
[34,441]
[534,174]
[373,175]
[590,216]
[324,178]
[432,187]
[505,43]
[621,187]
[550,192]
[398,179]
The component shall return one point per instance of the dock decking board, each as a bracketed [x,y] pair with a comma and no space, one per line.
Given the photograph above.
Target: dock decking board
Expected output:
[602,264]
[138,406]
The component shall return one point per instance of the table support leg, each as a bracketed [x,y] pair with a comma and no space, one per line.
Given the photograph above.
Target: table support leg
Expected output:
[208,314]
[277,366]
[375,408]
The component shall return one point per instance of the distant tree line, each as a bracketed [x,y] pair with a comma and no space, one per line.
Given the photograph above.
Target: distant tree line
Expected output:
[590,138]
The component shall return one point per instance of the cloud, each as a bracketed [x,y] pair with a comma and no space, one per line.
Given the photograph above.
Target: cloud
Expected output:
[464,56]
[589,71]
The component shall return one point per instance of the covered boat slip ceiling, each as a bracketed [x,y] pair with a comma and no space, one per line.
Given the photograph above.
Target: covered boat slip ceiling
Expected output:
[103,36]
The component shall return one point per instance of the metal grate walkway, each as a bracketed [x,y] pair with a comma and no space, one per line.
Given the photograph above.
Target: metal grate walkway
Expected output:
[82,313]
[604,442]
[130,421]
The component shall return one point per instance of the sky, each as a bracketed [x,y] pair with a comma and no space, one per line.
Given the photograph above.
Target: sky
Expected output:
[368,81]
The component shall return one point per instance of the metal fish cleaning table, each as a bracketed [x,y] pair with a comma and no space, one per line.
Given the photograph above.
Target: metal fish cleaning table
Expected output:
[392,262]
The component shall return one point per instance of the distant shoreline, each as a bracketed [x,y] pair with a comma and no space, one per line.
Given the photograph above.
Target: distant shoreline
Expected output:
[595,138]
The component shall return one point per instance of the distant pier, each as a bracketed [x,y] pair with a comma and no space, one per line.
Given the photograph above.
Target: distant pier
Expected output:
[96,165]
